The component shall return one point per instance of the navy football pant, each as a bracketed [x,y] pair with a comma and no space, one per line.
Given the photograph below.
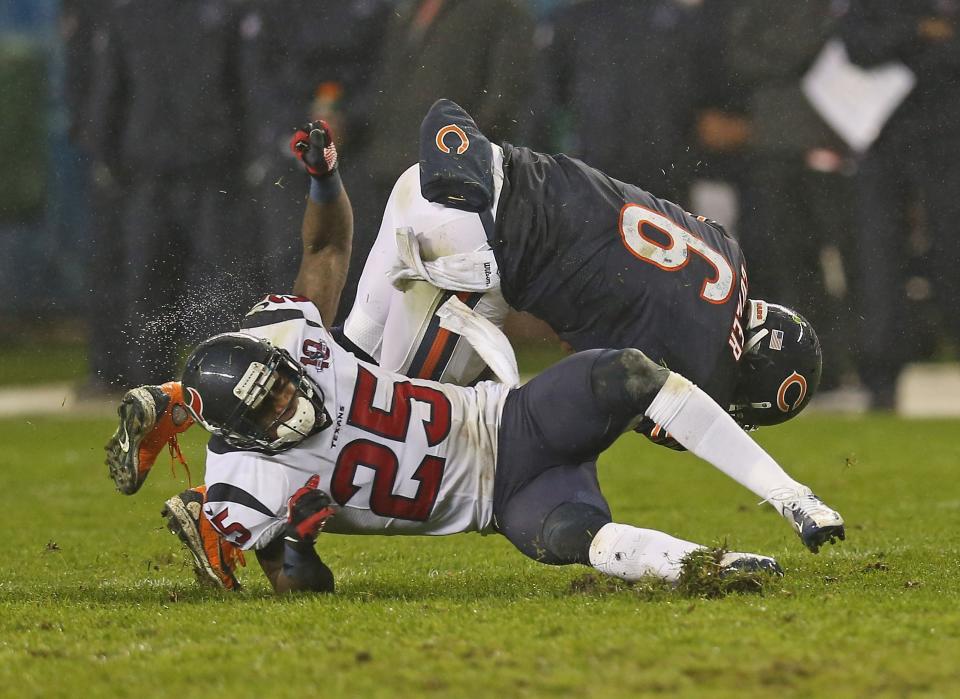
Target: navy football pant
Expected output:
[547,499]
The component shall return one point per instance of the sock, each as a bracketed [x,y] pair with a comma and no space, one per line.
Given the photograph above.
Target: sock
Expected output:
[698,423]
[631,553]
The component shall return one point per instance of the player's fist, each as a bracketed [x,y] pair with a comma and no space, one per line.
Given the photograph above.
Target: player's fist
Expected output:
[307,511]
[313,145]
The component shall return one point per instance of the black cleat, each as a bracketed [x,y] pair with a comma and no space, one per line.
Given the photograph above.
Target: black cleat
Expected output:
[138,412]
[214,559]
[151,417]
[732,562]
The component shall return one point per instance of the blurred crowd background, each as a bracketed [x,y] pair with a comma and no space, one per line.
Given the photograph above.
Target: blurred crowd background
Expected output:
[147,195]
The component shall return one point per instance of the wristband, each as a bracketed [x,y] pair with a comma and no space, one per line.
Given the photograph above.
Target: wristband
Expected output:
[301,563]
[324,190]
[299,558]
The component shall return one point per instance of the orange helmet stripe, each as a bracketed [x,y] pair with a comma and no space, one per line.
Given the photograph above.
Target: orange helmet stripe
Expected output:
[794,379]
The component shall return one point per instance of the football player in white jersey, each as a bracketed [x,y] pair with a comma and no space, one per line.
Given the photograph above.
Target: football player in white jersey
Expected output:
[306,437]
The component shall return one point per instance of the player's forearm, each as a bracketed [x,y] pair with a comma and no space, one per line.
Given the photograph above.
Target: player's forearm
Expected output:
[270,559]
[302,570]
[327,235]
[294,570]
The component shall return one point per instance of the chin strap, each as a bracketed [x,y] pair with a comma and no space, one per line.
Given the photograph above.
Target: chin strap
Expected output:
[756,318]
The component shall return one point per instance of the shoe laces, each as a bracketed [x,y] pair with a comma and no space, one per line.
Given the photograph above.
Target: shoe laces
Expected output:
[232,555]
[802,500]
[173,446]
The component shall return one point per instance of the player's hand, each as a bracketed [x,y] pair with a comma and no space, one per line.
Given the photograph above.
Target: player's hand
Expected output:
[313,145]
[308,509]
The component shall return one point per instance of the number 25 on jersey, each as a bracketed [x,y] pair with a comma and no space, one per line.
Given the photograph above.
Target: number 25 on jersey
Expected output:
[392,424]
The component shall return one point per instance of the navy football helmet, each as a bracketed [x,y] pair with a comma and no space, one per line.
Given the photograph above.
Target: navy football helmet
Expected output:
[251,394]
[780,368]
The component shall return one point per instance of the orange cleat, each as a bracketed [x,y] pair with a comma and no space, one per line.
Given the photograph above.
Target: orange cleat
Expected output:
[214,558]
[151,417]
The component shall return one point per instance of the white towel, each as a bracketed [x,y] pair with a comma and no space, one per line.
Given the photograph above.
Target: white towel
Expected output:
[485,337]
[470,271]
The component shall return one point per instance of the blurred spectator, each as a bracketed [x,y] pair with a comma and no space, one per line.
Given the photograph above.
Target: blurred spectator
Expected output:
[913,162]
[165,122]
[25,191]
[83,24]
[719,141]
[795,230]
[318,67]
[479,54]
[619,74]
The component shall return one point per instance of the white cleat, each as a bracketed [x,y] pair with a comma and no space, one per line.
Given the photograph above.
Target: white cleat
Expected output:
[814,522]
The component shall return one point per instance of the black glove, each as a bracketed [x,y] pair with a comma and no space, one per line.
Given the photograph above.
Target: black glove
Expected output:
[313,145]
[652,431]
[307,511]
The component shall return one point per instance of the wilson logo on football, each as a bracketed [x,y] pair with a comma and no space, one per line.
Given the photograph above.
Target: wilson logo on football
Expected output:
[452,129]
[794,379]
[195,403]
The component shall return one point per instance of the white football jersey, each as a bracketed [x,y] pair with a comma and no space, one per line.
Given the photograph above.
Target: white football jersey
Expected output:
[402,456]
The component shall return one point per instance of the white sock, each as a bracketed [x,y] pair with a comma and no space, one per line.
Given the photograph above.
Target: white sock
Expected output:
[631,553]
[698,423]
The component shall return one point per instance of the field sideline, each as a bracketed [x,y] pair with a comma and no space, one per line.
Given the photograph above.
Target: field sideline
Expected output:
[97,600]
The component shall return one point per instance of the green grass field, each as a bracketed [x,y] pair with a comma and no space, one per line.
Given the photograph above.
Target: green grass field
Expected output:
[97,599]
[62,361]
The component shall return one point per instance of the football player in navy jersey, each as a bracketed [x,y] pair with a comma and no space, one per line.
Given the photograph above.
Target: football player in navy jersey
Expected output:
[604,263]
[294,415]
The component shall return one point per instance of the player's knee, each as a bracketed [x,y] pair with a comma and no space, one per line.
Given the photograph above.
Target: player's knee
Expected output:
[626,380]
[568,531]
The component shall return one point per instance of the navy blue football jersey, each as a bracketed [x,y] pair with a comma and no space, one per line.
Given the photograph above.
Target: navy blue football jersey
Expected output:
[607,264]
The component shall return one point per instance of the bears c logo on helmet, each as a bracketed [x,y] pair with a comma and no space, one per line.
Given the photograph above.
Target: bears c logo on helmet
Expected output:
[196,402]
[794,379]
[452,129]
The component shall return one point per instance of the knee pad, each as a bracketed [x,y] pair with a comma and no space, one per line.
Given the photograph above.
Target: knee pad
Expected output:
[624,382]
[568,531]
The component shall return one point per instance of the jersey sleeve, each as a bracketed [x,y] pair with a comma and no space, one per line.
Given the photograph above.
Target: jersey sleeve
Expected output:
[278,308]
[242,525]
[246,498]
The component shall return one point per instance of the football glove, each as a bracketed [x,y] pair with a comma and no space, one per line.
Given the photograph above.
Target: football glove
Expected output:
[308,509]
[313,145]
[655,434]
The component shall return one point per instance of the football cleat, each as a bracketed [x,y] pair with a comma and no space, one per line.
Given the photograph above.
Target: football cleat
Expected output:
[732,562]
[814,522]
[214,558]
[151,417]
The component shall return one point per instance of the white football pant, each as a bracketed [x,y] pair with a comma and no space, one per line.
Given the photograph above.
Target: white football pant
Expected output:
[424,254]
